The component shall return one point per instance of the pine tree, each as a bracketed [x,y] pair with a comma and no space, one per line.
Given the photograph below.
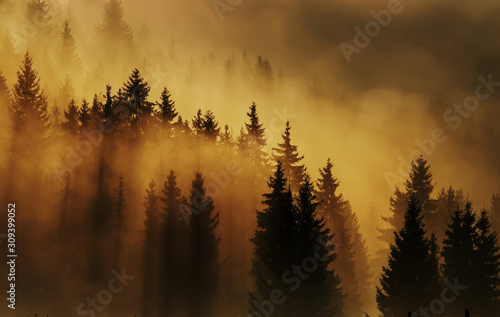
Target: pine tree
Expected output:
[84,115]
[458,255]
[255,140]
[320,293]
[38,14]
[210,127]
[173,244]
[420,184]
[274,245]
[487,266]
[198,122]
[71,123]
[288,155]
[204,245]
[151,248]
[408,281]
[206,126]
[226,138]
[340,221]
[29,103]
[167,112]
[68,58]
[446,204]
[135,92]
[263,72]
[115,35]
[362,268]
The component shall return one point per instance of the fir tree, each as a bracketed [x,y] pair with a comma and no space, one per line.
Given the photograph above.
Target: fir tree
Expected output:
[174,246]
[204,246]
[151,247]
[263,72]
[255,140]
[29,103]
[320,293]
[69,60]
[84,115]
[274,244]
[487,266]
[226,138]
[288,155]
[71,123]
[167,112]
[420,184]
[135,93]
[458,255]
[408,281]
[115,35]
[210,127]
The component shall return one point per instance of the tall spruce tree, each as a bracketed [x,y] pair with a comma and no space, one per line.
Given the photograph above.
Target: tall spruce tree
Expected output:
[135,94]
[274,245]
[68,56]
[487,266]
[419,183]
[204,247]
[174,248]
[151,248]
[71,123]
[255,140]
[320,293]
[471,259]
[167,112]
[114,35]
[29,103]
[289,157]
[408,281]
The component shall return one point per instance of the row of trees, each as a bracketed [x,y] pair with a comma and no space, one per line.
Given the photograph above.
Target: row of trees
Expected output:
[418,269]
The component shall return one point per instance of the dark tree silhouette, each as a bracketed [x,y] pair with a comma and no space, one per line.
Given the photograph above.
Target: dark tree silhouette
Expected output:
[470,255]
[206,126]
[85,115]
[288,155]
[151,248]
[204,245]
[409,281]
[255,141]
[114,35]
[320,294]
[263,72]
[135,93]
[167,112]
[274,244]
[71,116]
[487,266]
[29,103]
[68,56]
[175,258]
